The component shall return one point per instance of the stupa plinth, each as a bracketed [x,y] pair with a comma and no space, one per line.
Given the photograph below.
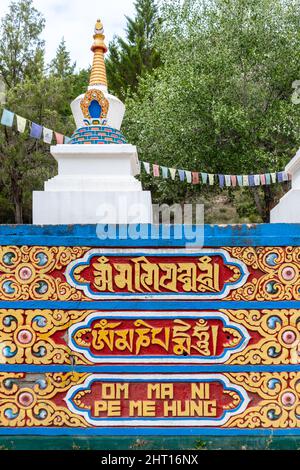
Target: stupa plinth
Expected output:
[96,170]
[288,208]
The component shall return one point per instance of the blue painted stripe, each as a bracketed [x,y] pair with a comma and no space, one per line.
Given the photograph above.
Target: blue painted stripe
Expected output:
[140,305]
[148,369]
[214,235]
[200,432]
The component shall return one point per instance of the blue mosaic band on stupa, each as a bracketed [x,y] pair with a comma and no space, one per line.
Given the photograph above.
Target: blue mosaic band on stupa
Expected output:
[97,135]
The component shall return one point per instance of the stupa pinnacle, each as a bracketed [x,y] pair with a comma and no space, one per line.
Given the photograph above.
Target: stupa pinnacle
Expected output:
[96,170]
[97,106]
[98,74]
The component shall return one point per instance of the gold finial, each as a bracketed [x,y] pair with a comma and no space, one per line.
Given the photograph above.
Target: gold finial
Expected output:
[98,75]
[99,27]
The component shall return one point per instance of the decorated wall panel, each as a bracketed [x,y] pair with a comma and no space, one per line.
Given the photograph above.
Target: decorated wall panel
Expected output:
[151,340]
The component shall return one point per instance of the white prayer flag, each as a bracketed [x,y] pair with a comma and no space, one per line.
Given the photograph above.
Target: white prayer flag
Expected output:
[245,180]
[257,180]
[147,167]
[47,135]
[227,180]
[211,179]
[21,124]
[172,173]
[188,175]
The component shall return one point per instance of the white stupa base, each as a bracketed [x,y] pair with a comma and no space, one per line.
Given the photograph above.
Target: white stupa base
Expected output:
[288,209]
[91,207]
[95,184]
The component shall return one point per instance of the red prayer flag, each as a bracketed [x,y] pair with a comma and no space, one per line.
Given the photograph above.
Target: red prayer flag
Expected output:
[59,138]
[195,177]
[155,170]
[263,179]
[233,180]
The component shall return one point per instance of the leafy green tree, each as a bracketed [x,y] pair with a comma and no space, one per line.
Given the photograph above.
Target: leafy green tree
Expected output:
[221,100]
[24,162]
[21,47]
[132,57]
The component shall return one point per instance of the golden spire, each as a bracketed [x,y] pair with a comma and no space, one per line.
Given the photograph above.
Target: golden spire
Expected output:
[98,75]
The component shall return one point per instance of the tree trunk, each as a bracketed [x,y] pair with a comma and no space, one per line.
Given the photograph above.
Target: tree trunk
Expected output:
[258,202]
[18,212]
[17,198]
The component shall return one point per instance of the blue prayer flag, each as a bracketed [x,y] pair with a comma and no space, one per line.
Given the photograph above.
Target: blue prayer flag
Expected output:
[279,177]
[221,180]
[204,177]
[251,180]
[36,131]
[7,118]
[268,178]
[240,180]
[164,172]
[181,175]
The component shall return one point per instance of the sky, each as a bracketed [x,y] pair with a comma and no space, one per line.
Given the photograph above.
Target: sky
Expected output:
[75,21]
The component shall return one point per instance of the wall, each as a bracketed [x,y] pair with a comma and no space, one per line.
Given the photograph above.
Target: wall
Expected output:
[145,338]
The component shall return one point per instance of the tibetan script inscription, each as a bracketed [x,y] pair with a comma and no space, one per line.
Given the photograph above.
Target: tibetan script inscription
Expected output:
[209,337]
[207,273]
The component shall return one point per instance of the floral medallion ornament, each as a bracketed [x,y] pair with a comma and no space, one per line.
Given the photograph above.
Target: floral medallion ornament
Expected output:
[95,107]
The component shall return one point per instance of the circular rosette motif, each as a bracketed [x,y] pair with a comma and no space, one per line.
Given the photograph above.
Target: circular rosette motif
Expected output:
[28,337]
[275,273]
[277,401]
[26,273]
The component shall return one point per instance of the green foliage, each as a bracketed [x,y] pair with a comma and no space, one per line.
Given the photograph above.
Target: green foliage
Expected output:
[41,98]
[208,87]
[221,101]
[21,48]
[61,65]
[133,57]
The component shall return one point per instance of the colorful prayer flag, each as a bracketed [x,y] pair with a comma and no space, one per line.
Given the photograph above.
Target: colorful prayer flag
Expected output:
[263,179]
[257,180]
[188,175]
[195,177]
[147,167]
[251,180]
[240,180]
[181,175]
[221,180]
[7,118]
[233,180]
[165,172]
[47,135]
[245,180]
[59,138]
[36,131]
[155,170]
[211,179]
[227,180]
[204,177]
[66,140]
[273,177]
[172,172]
[21,124]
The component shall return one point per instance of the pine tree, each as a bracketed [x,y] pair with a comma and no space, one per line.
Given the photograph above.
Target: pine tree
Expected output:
[134,56]
[61,65]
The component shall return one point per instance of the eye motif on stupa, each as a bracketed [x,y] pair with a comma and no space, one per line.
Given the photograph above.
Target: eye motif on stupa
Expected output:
[94,107]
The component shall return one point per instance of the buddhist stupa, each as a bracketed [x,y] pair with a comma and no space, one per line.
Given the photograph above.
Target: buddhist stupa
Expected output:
[96,170]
